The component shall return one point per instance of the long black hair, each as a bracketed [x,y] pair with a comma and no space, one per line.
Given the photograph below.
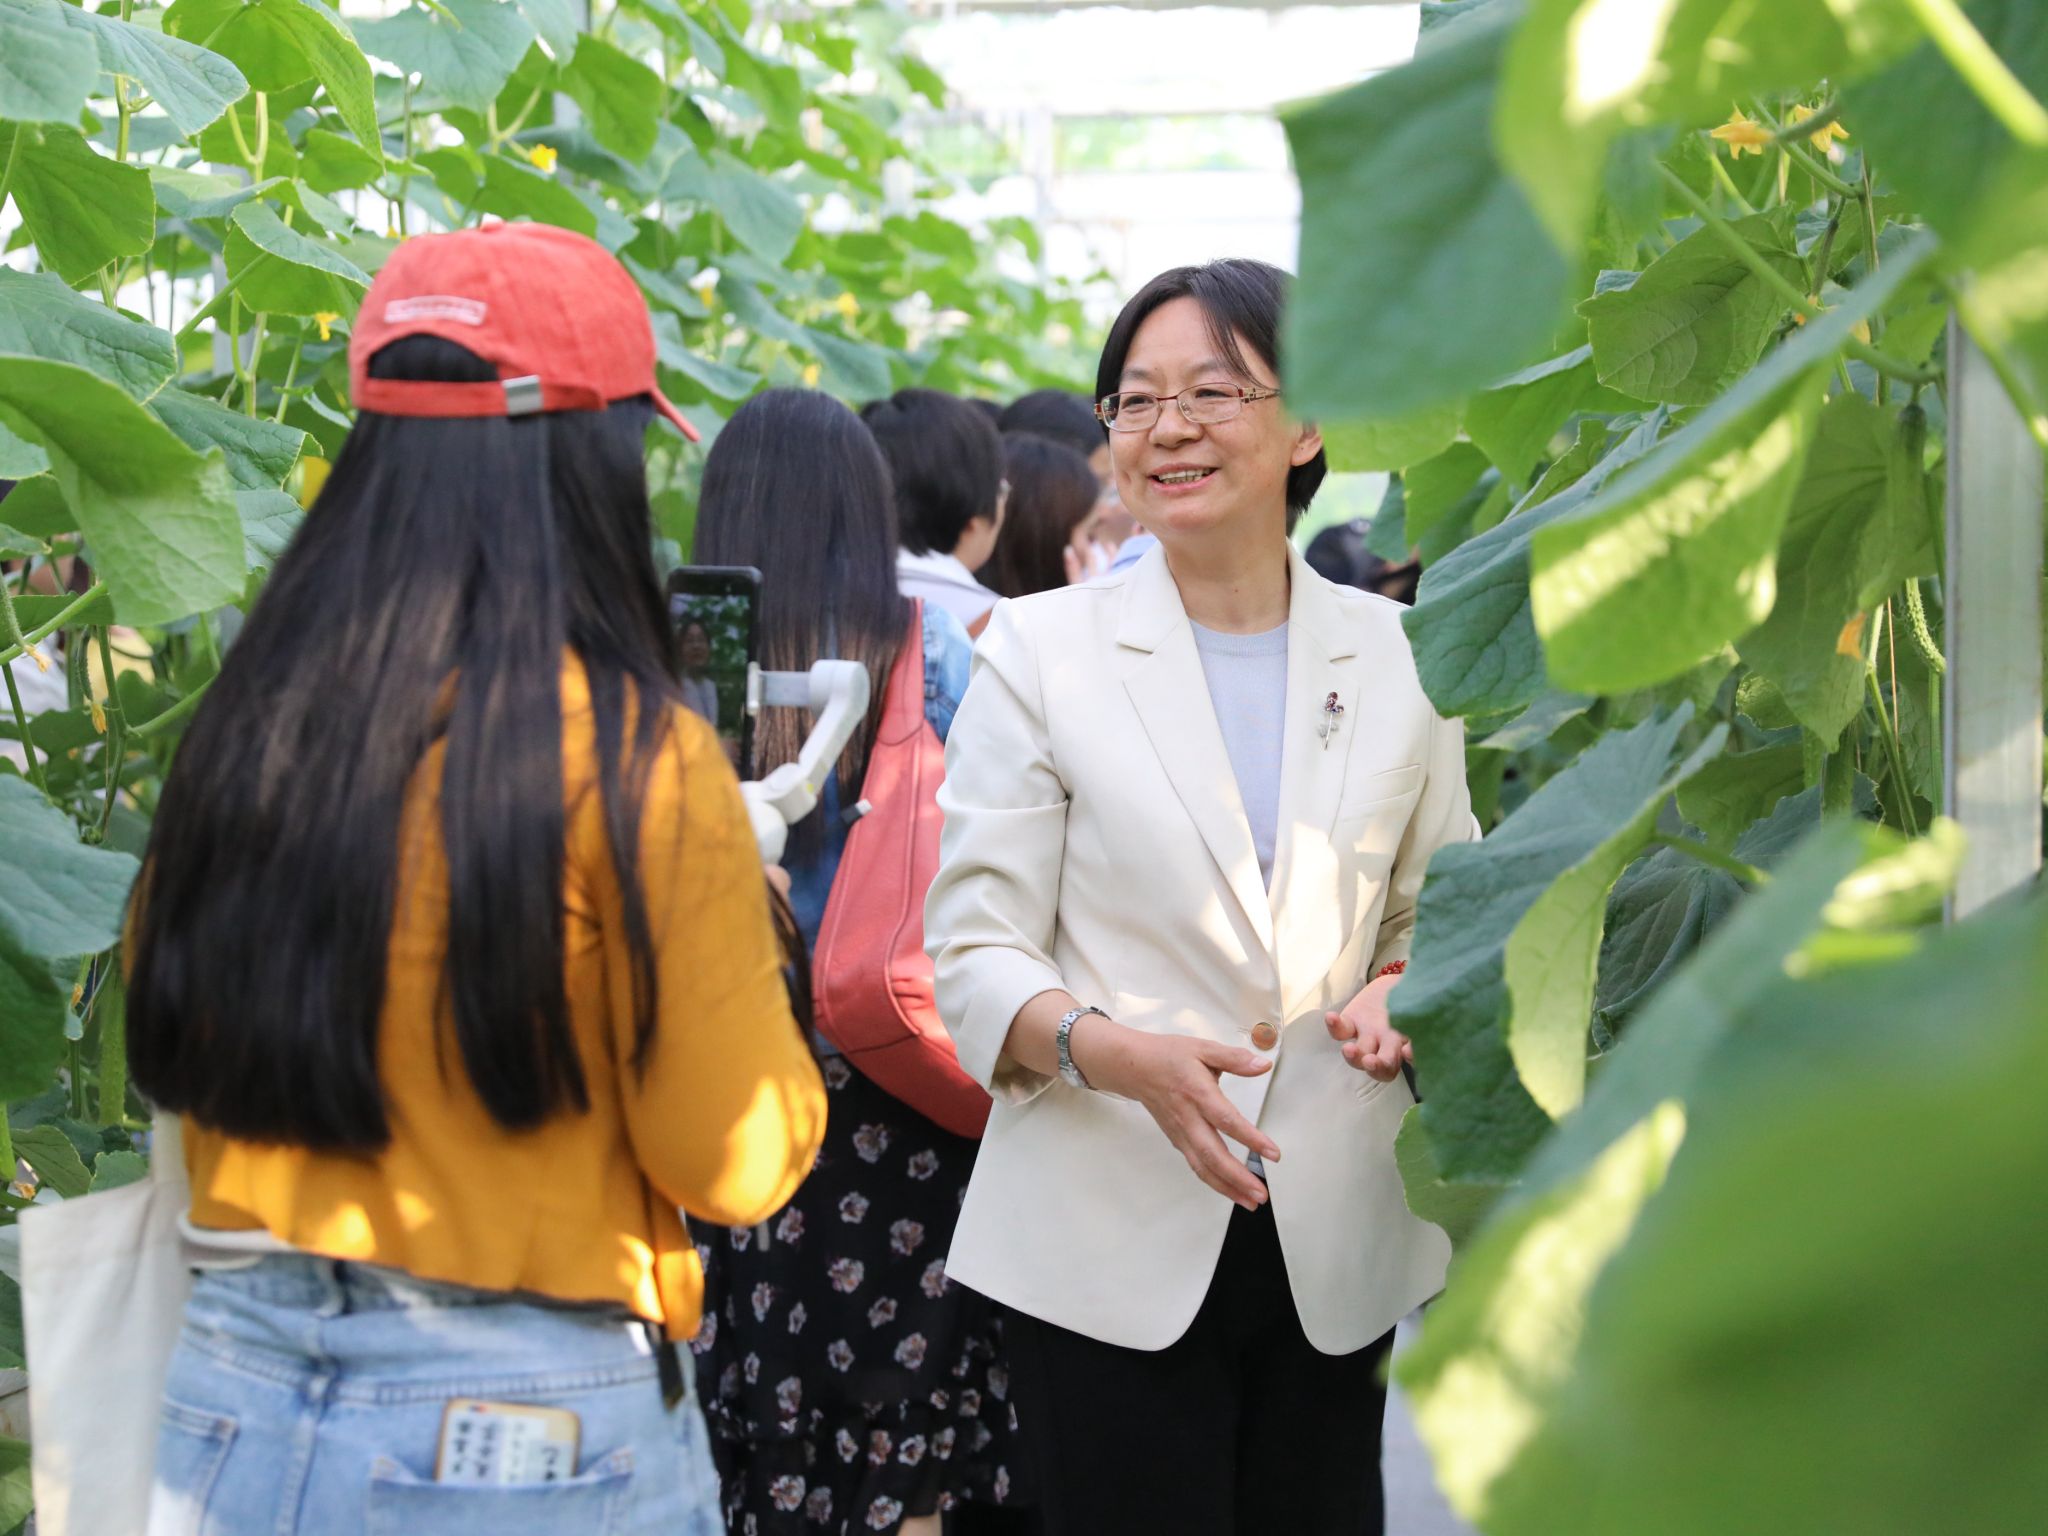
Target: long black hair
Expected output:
[1241,301]
[1052,491]
[430,596]
[796,487]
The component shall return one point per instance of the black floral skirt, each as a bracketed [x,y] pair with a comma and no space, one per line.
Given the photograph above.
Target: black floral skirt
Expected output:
[848,1383]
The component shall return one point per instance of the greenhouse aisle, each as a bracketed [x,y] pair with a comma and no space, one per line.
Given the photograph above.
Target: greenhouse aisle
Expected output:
[1414,1507]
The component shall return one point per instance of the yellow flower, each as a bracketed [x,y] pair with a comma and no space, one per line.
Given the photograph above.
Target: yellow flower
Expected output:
[1861,331]
[811,375]
[847,305]
[99,715]
[1850,641]
[35,655]
[543,157]
[1822,138]
[705,284]
[1742,135]
[325,320]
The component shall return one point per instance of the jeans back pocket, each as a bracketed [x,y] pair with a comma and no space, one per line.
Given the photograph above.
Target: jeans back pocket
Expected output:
[191,1446]
[592,1503]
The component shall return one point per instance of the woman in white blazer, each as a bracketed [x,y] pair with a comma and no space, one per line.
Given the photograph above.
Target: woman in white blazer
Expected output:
[1188,810]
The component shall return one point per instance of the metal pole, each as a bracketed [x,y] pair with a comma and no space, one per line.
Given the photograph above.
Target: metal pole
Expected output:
[1991,733]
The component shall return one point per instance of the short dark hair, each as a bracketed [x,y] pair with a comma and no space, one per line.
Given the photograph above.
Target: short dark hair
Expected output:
[1059,414]
[1242,300]
[1052,491]
[947,462]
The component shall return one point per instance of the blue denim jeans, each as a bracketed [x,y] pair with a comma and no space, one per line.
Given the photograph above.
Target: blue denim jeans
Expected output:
[305,1399]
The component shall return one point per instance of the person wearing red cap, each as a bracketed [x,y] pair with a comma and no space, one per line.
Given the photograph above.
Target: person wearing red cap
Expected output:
[453,952]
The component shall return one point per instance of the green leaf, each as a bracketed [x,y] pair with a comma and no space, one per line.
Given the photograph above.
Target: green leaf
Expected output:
[330,163]
[851,369]
[1455,1002]
[56,1162]
[46,69]
[1406,215]
[1474,640]
[14,543]
[110,1170]
[763,214]
[12,1356]
[259,452]
[1435,487]
[722,381]
[1359,447]
[194,195]
[323,39]
[621,96]
[556,21]
[1757,1317]
[1696,319]
[19,458]
[1458,1208]
[42,316]
[1732,792]
[463,50]
[159,518]
[1848,539]
[81,209]
[278,270]
[192,84]
[1676,558]
[16,1496]
[923,79]
[269,520]
[1553,954]
[1515,420]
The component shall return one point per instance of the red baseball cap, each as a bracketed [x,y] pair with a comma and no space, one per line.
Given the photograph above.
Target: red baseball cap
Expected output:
[555,311]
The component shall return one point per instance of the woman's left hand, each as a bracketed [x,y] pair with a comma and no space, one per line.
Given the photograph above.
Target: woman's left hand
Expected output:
[1369,1042]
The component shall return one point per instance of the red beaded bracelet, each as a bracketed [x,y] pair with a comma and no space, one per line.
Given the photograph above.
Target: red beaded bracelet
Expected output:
[1393,968]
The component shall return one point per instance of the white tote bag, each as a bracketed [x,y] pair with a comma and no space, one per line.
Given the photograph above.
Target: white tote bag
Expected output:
[104,1281]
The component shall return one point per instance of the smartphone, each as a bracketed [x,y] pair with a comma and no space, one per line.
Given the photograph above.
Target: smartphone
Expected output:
[507,1444]
[716,612]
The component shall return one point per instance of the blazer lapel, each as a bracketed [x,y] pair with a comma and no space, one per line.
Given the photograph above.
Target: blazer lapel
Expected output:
[1322,663]
[1170,692]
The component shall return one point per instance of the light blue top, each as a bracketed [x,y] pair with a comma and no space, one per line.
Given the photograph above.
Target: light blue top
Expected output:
[1247,677]
[1131,551]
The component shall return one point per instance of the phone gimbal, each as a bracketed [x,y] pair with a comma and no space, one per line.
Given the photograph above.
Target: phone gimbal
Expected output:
[836,693]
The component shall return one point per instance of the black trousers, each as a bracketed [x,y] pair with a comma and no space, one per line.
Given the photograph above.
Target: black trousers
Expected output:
[1239,1428]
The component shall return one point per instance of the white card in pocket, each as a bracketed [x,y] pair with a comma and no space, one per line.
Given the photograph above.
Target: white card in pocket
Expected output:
[506,1444]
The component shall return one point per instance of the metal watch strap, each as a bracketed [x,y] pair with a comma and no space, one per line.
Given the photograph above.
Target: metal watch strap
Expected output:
[1063,1037]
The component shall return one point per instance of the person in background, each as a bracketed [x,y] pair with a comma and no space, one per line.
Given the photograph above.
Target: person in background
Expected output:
[452,947]
[1339,554]
[946,461]
[1068,418]
[1188,812]
[853,1386]
[693,655]
[1049,531]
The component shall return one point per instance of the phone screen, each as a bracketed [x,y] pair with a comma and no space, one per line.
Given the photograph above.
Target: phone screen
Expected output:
[716,611]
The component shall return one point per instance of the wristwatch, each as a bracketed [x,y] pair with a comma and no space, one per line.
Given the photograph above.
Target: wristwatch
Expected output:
[1063,1037]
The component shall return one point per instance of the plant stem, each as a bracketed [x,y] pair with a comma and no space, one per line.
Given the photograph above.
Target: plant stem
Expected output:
[1827,250]
[1982,69]
[1778,283]
[112,1008]
[1728,185]
[117,732]
[13,154]
[242,143]
[1748,874]
[1823,118]
[177,711]
[1894,754]
[1786,137]
[262,134]
[28,745]
[291,375]
[24,643]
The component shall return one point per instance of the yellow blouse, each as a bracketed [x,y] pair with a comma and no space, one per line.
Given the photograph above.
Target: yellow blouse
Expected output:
[724,1123]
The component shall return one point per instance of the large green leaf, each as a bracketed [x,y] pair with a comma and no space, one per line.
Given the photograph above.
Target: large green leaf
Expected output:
[1355,447]
[46,69]
[276,269]
[1497,1351]
[43,317]
[260,452]
[1731,793]
[621,96]
[160,518]
[1474,640]
[81,209]
[1406,216]
[331,163]
[19,458]
[1434,489]
[279,44]
[58,1166]
[463,50]
[556,21]
[1677,557]
[193,85]
[1456,1003]
[1770,1311]
[1855,530]
[1459,1208]
[764,214]
[269,519]
[60,900]
[1696,319]
[1515,420]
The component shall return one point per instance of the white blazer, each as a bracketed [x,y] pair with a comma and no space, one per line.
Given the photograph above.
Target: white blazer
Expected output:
[1094,841]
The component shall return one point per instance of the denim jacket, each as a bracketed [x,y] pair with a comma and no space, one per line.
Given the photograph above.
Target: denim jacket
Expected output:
[947,655]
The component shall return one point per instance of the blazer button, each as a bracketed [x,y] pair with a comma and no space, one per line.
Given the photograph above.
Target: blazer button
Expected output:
[1265,1036]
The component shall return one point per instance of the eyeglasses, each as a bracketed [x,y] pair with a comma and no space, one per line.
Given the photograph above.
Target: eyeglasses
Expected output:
[1202,404]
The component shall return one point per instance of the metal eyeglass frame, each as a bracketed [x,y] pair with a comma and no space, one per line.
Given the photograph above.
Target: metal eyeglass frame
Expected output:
[1235,396]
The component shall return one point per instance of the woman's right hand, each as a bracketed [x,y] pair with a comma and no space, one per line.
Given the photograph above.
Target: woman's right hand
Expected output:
[1178,1079]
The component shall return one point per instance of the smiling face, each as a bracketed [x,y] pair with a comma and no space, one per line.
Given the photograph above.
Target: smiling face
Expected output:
[1189,481]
